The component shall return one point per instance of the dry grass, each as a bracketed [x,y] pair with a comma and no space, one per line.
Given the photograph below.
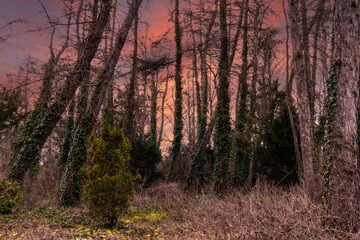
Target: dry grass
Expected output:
[264,213]
[165,211]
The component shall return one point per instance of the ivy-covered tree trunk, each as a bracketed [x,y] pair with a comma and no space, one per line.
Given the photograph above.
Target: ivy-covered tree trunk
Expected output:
[71,186]
[70,125]
[344,151]
[130,100]
[178,121]
[29,146]
[76,149]
[222,141]
[242,141]
[153,108]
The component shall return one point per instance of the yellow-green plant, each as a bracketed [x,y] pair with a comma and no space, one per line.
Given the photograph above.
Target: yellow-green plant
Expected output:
[110,182]
[10,196]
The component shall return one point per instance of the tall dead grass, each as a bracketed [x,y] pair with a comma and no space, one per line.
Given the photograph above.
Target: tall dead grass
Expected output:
[266,212]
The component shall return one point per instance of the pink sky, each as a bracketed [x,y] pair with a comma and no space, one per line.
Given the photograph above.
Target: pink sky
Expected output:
[17,48]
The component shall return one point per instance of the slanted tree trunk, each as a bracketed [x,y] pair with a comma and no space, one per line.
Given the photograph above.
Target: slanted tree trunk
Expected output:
[71,186]
[344,152]
[70,125]
[31,145]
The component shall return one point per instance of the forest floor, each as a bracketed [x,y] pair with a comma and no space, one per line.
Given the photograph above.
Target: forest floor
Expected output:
[165,211]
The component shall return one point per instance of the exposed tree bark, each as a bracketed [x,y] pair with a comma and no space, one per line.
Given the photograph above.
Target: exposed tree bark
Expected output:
[344,151]
[288,87]
[195,73]
[305,47]
[204,73]
[110,90]
[237,34]
[304,108]
[153,107]
[163,109]
[191,127]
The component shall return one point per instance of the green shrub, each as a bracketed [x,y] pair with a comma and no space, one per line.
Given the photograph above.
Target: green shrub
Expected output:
[110,182]
[10,196]
[145,155]
[276,155]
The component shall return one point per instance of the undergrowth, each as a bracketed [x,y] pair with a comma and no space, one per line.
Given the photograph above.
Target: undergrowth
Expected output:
[165,211]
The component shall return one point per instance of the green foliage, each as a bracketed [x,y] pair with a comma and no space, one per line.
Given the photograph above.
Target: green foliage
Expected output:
[242,149]
[243,155]
[110,182]
[222,141]
[72,181]
[330,104]
[276,155]
[145,155]
[9,106]
[70,125]
[10,196]
[37,129]
[25,146]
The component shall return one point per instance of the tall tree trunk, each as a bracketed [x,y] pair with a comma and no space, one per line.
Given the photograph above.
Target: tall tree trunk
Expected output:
[344,151]
[130,103]
[289,101]
[196,75]
[153,107]
[222,141]
[204,75]
[178,121]
[304,108]
[242,142]
[70,125]
[110,90]
[29,148]
[305,47]
[71,186]
[163,109]
[196,172]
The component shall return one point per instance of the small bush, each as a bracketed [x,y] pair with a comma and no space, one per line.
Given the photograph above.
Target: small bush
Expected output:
[111,183]
[145,155]
[10,196]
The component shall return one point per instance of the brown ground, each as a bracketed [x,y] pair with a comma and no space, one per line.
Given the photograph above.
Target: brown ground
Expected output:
[165,211]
